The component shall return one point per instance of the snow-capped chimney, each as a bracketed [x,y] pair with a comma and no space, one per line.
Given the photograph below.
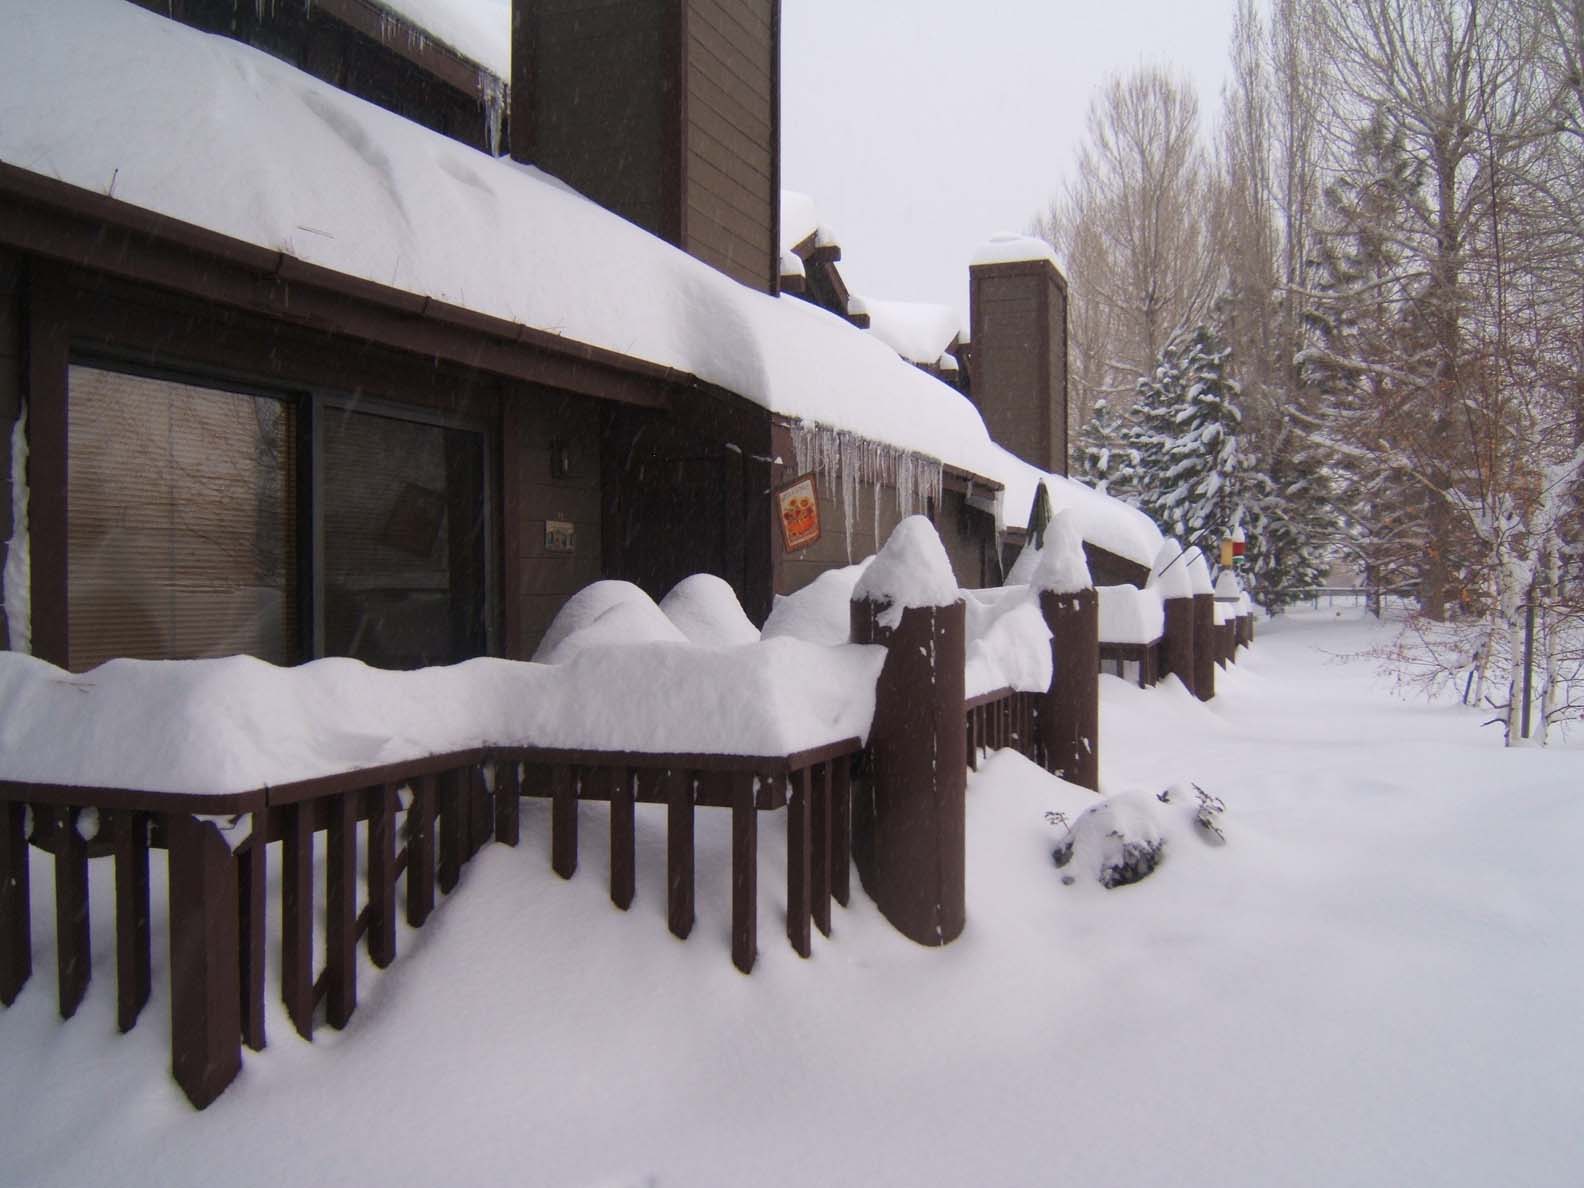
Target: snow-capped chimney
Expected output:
[1017,301]
[667,112]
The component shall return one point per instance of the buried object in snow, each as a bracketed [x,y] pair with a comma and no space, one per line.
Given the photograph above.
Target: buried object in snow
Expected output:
[1121,839]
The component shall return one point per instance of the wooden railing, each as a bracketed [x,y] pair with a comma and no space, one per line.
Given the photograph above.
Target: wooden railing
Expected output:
[455,803]
[1145,655]
[1002,718]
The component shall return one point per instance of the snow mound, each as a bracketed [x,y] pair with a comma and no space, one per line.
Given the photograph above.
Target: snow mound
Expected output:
[821,612]
[1129,615]
[1115,842]
[1062,568]
[1169,576]
[1227,586]
[602,613]
[910,571]
[1008,642]
[1198,571]
[918,331]
[705,609]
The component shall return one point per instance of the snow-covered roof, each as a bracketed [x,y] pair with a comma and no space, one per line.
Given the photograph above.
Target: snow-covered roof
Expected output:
[918,331]
[102,94]
[477,29]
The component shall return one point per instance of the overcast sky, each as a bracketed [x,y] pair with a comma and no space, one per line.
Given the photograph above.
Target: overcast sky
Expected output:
[922,127]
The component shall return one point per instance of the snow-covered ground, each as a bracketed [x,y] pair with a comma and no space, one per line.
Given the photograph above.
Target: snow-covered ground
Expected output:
[1373,982]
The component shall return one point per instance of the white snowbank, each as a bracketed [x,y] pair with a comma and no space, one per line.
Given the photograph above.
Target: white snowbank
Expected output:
[1008,247]
[1224,612]
[1198,571]
[603,613]
[236,724]
[910,571]
[799,219]
[1008,642]
[97,92]
[1062,568]
[1170,576]
[705,609]
[821,612]
[1129,615]
[1227,586]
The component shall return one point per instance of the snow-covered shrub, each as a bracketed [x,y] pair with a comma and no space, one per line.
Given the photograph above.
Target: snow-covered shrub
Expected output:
[1116,842]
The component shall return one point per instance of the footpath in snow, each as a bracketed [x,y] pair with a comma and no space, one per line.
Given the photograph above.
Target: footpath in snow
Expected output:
[1373,982]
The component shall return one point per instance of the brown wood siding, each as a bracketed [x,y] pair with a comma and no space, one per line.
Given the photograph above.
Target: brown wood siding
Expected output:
[969,537]
[1019,359]
[10,398]
[594,101]
[537,581]
[732,131]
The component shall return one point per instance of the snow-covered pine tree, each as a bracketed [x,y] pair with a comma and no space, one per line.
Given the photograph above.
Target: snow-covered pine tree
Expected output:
[1185,431]
[1107,461]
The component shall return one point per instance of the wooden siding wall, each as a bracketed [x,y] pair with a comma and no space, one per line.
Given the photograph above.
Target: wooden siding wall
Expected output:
[536,580]
[10,398]
[969,537]
[732,138]
[1019,315]
[689,492]
[595,103]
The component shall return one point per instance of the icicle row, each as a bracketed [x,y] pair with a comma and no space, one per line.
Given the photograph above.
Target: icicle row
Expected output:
[842,460]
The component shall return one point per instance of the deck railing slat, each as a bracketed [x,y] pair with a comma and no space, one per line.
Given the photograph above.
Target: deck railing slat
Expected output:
[341,910]
[841,830]
[16,918]
[745,871]
[820,846]
[623,861]
[297,977]
[380,840]
[129,834]
[798,863]
[679,852]
[206,1022]
[508,802]
[455,829]
[563,820]
[420,851]
[74,962]
[252,897]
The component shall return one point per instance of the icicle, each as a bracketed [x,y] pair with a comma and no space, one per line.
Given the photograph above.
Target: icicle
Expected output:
[843,461]
[494,93]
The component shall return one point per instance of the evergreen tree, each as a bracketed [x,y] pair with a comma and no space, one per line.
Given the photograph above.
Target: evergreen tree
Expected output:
[1107,461]
[1185,431]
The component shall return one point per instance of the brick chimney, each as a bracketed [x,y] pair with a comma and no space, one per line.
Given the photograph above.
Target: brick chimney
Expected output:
[1017,300]
[667,112]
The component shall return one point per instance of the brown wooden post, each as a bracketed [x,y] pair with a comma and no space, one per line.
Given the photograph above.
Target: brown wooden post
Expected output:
[908,828]
[1070,712]
[454,828]
[129,834]
[1204,646]
[1179,639]
[381,842]
[297,990]
[252,880]
[16,920]
[679,852]
[508,802]
[745,871]
[820,827]
[420,851]
[623,864]
[841,830]
[206,983]
[798,862]
[341,910]
[74,963]
[563,821]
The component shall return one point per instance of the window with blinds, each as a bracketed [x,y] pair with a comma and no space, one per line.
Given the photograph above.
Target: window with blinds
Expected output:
[180,521]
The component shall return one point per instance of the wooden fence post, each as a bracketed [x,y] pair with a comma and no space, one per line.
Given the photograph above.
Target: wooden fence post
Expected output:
[1069,720]
[1205,639]
[908,828]
[206,983]
[74,961]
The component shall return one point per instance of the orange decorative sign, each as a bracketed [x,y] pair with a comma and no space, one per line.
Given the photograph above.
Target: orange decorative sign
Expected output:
[798,505]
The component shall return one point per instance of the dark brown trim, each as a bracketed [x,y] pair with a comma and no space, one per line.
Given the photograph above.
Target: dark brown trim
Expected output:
[64,222]
[775,147]
[47,343]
